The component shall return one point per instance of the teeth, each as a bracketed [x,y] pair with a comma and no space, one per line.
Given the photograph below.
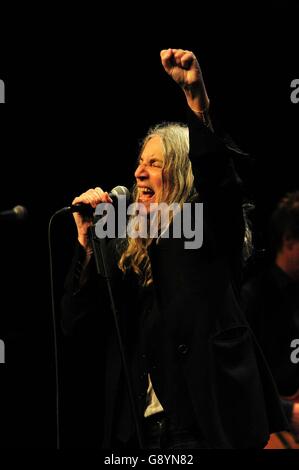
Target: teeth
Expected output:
[146,190]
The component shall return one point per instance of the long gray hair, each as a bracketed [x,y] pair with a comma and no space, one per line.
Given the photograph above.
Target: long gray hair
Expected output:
[177,183]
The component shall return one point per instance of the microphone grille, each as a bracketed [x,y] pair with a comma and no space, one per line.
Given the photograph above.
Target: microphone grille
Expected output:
[121,191]
[21,212]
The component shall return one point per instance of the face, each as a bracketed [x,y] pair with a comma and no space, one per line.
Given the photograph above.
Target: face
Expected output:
[149,172]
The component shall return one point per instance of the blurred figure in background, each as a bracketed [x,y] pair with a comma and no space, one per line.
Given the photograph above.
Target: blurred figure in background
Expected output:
[271,303]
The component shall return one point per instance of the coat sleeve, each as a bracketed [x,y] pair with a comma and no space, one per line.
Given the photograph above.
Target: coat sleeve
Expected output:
[219,188]
[84,309]
[212,162]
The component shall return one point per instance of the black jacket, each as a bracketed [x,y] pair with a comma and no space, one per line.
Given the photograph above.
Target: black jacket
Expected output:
[188,330]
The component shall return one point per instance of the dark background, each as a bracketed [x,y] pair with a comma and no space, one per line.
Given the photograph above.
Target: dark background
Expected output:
[79,97]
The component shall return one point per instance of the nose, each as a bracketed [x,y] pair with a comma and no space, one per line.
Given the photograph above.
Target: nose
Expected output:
[141,171]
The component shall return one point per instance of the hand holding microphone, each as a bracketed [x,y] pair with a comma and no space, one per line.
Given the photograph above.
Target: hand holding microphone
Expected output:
[84,206]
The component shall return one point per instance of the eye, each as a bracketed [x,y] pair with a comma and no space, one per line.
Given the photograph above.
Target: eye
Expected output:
[156,163]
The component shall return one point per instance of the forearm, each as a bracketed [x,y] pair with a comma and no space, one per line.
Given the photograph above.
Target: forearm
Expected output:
[79,269]
[80,304]
[184,69]
[199,103]
[85,265]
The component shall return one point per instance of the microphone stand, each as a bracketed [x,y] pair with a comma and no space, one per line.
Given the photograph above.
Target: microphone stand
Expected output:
[99,250]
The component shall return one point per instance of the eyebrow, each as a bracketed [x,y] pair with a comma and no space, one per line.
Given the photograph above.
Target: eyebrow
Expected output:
[151,158]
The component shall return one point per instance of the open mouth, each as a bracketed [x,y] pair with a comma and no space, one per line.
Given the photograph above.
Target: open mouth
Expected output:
[145,194]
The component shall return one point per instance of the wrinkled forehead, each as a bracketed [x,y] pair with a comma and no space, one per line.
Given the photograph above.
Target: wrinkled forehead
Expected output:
[153,148]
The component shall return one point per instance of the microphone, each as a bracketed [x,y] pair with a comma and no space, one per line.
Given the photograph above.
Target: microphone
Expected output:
[87,210]
[18,213]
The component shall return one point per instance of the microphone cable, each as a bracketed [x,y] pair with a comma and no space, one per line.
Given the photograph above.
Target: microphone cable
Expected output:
[54,326]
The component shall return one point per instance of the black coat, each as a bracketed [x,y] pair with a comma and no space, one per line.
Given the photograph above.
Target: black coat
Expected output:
[188,330]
